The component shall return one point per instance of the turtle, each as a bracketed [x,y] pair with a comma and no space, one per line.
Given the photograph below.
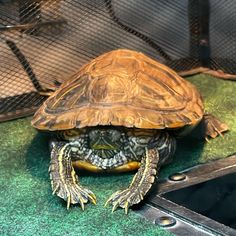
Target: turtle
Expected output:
[122,111]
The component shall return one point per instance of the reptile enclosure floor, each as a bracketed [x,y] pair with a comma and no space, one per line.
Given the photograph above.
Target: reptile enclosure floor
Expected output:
[28,207]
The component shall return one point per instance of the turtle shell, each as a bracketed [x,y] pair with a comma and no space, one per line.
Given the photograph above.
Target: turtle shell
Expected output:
[122,88]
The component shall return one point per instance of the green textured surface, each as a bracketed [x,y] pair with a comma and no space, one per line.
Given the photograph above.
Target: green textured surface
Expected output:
[28,208]
[27,205]
[219,100]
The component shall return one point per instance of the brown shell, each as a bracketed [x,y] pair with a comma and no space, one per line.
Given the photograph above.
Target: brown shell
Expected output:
[122,88]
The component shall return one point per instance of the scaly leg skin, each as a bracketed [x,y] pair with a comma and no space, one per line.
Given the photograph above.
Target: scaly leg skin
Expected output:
[64,180]
[213,126]
[140,184]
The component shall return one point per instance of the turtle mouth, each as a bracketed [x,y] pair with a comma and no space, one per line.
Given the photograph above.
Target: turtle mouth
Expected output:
[104,139]
[99,146]
[104,151]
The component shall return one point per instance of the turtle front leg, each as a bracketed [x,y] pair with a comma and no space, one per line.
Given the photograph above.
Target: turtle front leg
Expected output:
[64,181]
[140,184]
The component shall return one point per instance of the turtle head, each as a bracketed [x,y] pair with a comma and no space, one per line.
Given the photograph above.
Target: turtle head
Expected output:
[105,138]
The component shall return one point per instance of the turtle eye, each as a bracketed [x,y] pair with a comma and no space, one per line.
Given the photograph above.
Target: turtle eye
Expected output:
[93,134]
[114,134]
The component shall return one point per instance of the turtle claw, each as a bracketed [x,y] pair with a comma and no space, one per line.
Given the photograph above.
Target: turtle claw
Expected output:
[213,126]
[115,205]
[73,193]
[123,199]
[68,202]
[55,188]
[82,205]
[126,208]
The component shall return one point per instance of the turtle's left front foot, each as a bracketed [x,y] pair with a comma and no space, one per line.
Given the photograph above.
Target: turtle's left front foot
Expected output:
[125,199]
[140,184]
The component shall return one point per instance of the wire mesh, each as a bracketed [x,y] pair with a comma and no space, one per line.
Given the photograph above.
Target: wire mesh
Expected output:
[222,35]
[43,42]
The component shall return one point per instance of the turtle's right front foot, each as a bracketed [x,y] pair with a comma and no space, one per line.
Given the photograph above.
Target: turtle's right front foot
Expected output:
[73,193]
[64,181]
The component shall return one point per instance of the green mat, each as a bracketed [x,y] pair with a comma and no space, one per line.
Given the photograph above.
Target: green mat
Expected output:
[28,207]
[220,101]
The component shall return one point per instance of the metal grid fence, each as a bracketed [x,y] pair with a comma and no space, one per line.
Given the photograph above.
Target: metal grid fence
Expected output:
[42,42]
[223,35]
